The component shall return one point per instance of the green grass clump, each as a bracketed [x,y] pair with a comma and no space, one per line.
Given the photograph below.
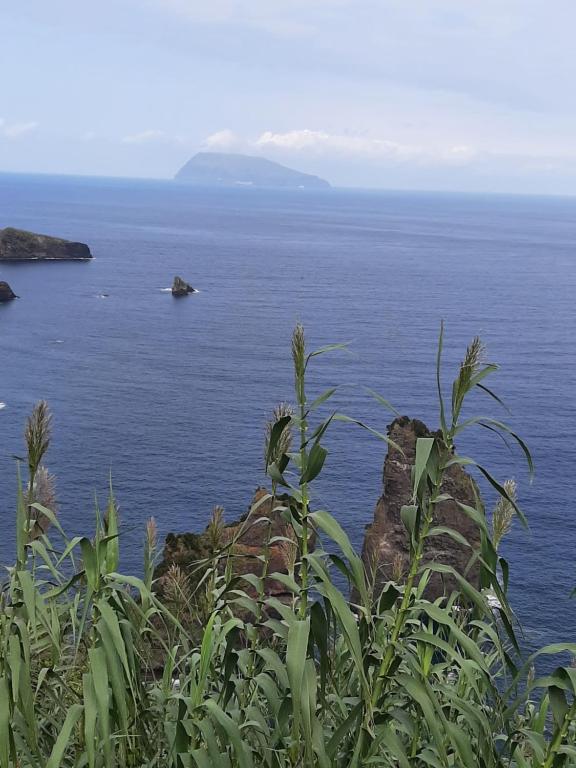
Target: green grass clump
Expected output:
[96,671]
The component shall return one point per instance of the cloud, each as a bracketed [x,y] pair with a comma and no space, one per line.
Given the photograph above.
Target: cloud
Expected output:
[16,130]
[493,52]
[223,141]
[322,143]
[429,164]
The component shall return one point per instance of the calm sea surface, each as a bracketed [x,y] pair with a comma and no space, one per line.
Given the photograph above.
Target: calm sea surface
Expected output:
[171,396]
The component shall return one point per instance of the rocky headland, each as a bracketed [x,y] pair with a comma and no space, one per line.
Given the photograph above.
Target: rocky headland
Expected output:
[19,245]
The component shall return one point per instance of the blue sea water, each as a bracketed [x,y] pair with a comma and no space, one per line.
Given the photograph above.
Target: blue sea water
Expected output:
[171,396]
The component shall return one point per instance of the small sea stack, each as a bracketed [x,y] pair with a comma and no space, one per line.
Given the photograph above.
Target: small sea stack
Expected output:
[181,288]
[6,293]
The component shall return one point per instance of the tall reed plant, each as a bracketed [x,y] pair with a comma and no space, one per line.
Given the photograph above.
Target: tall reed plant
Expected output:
[96,671]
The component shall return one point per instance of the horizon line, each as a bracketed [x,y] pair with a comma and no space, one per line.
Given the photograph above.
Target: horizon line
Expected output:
[333,188]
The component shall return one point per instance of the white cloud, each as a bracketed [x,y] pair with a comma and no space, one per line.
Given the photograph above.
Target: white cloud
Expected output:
[223,141]
[320,141]
[323,143]
[16,130]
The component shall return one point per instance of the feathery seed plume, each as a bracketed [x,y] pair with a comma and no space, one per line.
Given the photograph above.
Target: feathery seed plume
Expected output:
[37,435]
[284,441]
[299,356]
[216,528]
[503,514]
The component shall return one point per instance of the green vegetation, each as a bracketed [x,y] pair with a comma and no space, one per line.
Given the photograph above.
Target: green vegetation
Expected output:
[96,671]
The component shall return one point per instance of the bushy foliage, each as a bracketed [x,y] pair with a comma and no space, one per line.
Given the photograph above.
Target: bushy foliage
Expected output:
[95,671]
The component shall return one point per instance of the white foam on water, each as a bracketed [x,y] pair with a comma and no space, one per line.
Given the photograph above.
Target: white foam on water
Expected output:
[2,405]
[169,290]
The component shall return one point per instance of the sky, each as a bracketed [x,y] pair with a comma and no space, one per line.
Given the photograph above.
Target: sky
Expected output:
[472,95]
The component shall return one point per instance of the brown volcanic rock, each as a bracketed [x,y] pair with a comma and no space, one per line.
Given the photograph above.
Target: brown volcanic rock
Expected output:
[6,293]
[20,245]
[386,539]
[248,536]
[189,552]
[251,535]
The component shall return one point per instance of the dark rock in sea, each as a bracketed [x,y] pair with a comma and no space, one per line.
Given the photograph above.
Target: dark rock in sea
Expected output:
[19,245]
[6,293]
[181,288]
[386,541]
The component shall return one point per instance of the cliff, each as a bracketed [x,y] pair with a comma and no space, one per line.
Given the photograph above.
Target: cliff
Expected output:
[246,541]
[20,245]
[386,548]
[220,169]
[385,551]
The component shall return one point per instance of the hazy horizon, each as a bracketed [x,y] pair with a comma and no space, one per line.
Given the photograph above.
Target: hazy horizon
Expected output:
[332,188]
[442,96]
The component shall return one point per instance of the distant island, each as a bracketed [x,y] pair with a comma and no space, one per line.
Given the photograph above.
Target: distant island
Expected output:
[20,245]
[220,169]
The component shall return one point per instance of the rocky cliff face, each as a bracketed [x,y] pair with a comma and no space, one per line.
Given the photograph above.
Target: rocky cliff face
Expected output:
[248,538]
[19,245]
[6,293]
[386,543]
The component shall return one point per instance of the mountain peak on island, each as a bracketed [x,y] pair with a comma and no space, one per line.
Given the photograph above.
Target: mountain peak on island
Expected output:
[223,169]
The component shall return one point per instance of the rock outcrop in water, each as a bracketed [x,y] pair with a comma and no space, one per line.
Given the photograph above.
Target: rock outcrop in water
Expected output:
[6,293]
[20,245]
[386,541]
[385,548]
[247,540]
[181,288]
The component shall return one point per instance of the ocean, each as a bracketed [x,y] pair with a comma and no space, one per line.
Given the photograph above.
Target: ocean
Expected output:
[170,397]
